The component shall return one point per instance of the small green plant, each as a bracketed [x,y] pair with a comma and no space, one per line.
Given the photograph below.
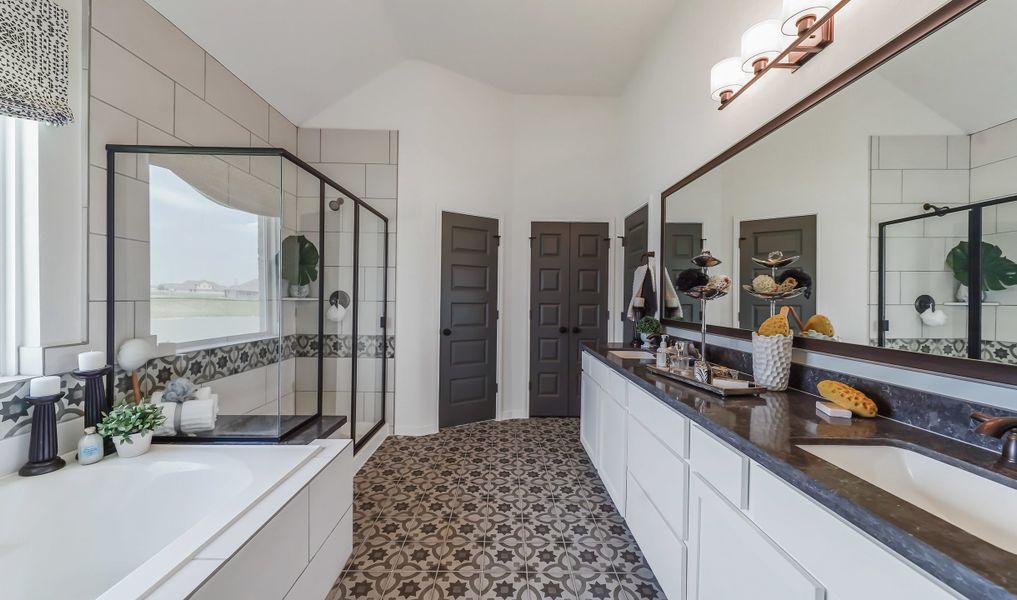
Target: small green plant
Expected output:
[998,271]
[299,260]
[128,419]
[647,326]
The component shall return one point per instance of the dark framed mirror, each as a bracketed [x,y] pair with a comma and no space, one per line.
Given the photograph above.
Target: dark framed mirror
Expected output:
[884,197]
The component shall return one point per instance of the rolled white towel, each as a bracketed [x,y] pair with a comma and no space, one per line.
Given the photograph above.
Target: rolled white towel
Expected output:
[193,416]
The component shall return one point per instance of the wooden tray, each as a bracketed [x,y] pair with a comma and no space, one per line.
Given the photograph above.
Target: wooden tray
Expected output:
[751,390]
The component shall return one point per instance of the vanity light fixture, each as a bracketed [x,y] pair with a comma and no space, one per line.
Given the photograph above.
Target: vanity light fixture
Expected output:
[805,29]
[726,78]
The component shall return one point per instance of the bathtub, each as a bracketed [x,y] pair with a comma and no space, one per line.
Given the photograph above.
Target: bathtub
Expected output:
[121,528]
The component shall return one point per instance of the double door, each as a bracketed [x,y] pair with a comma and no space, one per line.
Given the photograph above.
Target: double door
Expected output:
[568,306]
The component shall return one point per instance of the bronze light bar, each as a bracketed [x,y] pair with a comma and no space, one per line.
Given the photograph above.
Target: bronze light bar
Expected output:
[814,35]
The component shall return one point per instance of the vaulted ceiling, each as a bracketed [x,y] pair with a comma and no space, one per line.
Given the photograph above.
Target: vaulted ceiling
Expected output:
[304,55]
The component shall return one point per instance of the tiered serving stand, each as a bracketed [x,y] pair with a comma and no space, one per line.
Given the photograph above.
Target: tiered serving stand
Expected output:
[775,260]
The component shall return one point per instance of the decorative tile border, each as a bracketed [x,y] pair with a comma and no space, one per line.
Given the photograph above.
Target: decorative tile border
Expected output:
[201,366]
[1004,352]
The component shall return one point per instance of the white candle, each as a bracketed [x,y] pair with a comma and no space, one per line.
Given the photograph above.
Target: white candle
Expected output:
[91,361]
[44,386]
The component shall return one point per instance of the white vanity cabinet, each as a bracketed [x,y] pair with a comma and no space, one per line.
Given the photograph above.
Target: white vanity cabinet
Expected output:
[732,558]
[715,525]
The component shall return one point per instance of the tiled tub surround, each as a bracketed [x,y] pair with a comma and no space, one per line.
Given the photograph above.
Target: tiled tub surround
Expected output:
[201,367]
[994,350]
[767,431]
[947,171]
[495,510]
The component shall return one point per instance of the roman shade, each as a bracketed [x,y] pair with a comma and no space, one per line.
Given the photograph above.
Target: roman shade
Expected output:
[34,61]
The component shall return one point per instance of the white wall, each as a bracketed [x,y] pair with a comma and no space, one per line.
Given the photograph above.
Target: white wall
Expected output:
[670,124]
[468,147]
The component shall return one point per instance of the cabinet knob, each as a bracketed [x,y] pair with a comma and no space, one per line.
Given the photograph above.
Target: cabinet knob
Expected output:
[446,331]
[563,330]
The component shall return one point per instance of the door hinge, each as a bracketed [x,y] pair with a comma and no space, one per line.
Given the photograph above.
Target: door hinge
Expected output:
[497,240]
[497,315]
[381,322]
[608,240]
[884,325]
[495,387]
[622,238]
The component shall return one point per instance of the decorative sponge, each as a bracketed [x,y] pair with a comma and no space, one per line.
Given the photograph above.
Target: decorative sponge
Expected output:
[847,397]
[819,324]
[788,285]
[764,284]
[775,325]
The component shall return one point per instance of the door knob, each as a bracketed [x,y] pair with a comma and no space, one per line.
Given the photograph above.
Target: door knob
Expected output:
[446,332]
[576,330]
[563,330]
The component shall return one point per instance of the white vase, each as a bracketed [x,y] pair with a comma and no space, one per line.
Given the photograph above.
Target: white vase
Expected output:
[771,360]
[299,291]
[139,444]
[962,293]
[646,339]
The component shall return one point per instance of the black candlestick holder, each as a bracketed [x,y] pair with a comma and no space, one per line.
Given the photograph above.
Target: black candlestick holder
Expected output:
[96,400]
[42,449]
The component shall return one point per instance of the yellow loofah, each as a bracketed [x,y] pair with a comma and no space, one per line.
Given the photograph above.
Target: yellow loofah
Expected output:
[819,324]
[775,325]
[847,397]
[764,284]
[787,285]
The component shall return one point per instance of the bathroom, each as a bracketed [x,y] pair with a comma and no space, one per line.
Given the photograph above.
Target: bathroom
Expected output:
[661,317]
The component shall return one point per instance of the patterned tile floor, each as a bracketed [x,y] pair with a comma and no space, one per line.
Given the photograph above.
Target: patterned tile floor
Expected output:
[495,510]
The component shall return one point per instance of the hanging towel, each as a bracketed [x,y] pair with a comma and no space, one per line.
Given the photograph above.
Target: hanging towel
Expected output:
[672,304]
[643,286]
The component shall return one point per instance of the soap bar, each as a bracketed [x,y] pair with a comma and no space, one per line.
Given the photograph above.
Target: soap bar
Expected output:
[829,408]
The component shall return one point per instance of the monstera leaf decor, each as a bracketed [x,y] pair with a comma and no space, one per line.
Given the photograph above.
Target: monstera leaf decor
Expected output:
[299,260]
[998,271]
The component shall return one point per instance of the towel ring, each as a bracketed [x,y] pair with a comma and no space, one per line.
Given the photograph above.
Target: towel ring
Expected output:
[924,303]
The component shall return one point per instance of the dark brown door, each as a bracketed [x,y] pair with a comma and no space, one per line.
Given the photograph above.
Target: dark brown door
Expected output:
[636,244]
[794,236]
[682,241]
[568,306]
[469,330]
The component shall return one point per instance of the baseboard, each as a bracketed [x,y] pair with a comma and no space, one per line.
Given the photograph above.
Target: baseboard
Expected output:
[514,414]
[415,430]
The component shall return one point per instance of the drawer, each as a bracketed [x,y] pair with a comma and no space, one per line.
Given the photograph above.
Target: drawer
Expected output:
[824,544]
[660,419]
[326,566]
[663,550]
[610,381]
[661,475]
[724,467]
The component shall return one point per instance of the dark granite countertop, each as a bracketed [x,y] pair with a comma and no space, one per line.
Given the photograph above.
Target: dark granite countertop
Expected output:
[768,429]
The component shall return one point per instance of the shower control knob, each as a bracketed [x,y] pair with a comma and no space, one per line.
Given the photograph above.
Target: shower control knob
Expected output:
[446,332]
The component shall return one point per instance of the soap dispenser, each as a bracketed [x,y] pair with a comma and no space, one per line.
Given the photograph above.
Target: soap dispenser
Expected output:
[90,447]
[662,353]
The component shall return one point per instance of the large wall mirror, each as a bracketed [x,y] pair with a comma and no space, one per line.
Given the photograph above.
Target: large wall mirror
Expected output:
[887,192]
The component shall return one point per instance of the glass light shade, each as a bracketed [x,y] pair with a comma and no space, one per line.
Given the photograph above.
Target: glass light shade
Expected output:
[727,75]
[796,10]
[762,40]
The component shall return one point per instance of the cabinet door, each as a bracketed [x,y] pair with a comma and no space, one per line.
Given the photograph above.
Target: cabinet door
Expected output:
[588,426]
[613,448]
[729,557]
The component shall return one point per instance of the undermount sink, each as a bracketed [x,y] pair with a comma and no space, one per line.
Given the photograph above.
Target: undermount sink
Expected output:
[979,506]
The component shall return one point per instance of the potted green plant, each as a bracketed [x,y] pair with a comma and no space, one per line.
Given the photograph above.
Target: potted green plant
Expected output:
[130,426]
[998,271]
[299,265]
[647,327]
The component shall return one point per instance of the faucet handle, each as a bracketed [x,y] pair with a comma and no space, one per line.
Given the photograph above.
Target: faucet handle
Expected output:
[992,425]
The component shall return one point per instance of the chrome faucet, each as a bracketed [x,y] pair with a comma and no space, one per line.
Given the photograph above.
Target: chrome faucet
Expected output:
[1004,428]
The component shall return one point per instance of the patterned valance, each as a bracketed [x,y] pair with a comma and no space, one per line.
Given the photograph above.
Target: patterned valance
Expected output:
[34,61]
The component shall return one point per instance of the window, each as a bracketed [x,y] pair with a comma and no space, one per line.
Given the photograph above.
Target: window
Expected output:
[19,159]
[212,277]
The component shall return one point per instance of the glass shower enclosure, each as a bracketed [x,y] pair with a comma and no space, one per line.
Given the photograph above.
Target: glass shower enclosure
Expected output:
[246,293]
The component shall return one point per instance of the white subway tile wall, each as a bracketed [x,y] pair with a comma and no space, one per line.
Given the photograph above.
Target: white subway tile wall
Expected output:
[909,171]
